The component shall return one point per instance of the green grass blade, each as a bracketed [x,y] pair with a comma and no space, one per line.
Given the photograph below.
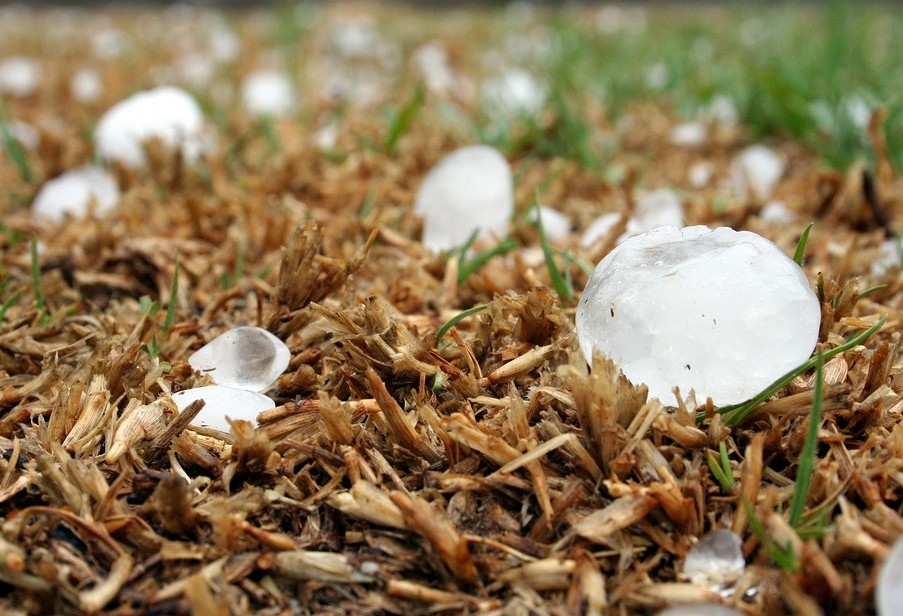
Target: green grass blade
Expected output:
[718,472]
[737,413]
[807,456]
[16,153]
[402,119]
[5,306]
[457,319]
[560,282]
[173,300]
[36,283]
[798,255]
[726,463]
[467,268]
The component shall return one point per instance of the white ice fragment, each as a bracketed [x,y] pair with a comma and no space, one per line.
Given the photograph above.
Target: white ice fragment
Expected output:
[556,225]
[889,590]
[700,609]
[326,137]
[721,312]
[656,76]
[723,110]
[74,192]
[514,92]
[107,43]
[355,39]
[700,173]
[716,561]
[268,93]
[223,43]
[756,170]
[598,229]
[656,208]
[85,85]
[221,402]
[244,357]
[19,75]
[777,213]
[195,69]
[888,257]
[470,189]
[166,113]
[433,64]
[688,134]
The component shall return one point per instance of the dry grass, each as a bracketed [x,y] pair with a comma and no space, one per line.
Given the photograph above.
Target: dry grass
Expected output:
[522,483]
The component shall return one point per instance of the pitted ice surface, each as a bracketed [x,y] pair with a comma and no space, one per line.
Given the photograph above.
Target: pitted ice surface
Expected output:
[248,358]
[722,312]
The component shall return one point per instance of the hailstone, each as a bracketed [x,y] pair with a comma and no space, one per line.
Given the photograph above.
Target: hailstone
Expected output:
[470,189]
[268,93]
[244,357]
[221,402]
[721,312]
[73,192]
[756,171]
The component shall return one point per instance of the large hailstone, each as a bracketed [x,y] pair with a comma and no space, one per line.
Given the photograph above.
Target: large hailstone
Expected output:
[221,402]
[248,358]
[889,590]
[268,93]
[722,312]
[73,192]
[167,113]
[470,189]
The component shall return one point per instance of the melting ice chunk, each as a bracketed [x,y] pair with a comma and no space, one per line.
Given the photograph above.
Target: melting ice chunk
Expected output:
[168,114]
[470,189]
[719,311]
[716,561]
[221,402]
[73,192]
[268,93]
[245,358]
[756,171]
[700,609]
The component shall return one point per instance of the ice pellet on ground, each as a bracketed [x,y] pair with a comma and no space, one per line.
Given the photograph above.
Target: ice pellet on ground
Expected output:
[268,93]
[700,609]
[245,358]
[556,225]
[700,173]
[19,76]
[688,134]
[470,189]
[756,171]
[656,208]
[166,113]
[86,85]
[722,312]
[717,560]
[777,213]
[514,92]
[889,590]
[888,257]
[221,402]
[73,192]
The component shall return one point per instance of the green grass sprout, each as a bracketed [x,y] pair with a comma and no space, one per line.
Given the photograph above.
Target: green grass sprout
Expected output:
[457,319]
[798,255]
[807,456]
[173,300]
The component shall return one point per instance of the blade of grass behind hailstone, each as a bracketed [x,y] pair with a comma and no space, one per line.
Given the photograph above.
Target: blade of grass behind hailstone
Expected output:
[807,456]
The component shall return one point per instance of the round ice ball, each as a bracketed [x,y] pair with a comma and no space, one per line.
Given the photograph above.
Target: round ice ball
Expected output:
[74,192]
[268,93]
[722,312]
[470,189]
[167,113]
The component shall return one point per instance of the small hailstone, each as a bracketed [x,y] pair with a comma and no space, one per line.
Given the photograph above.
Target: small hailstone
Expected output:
[657,76]
[757,169]
[355,39]
[889,256]
[19,76]
[434,67]
[470,189]
[108,43]
[268,92]
[700,609]
[556,225]
[86,85]
[326,137]
[889,590]
[73,192]
[221,402]
[514,92]
[245,358]
[688,134]
[196,69]
[717,560]
[700,173]
[598,229]
[723,110]
[776,213]
[721,312]
[656,208]
[166,113]
[223,43]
